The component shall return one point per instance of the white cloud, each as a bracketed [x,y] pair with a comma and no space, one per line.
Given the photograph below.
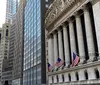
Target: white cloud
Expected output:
[2,11]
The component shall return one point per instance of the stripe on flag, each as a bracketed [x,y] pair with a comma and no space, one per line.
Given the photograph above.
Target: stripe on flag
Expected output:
[75,59]
[50,68]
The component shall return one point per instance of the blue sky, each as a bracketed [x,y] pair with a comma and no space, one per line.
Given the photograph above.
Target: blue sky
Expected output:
[2,11]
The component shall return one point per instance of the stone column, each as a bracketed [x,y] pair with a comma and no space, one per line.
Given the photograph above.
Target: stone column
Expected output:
[96,12]
[91,73]
[66,45]
[55,48]
[60,78]
[73,77]
[81,75]
[50,51]
[72,38]
[80,38]
[60,44]
[50,79]
[89,35]
[66,77]
[55,79]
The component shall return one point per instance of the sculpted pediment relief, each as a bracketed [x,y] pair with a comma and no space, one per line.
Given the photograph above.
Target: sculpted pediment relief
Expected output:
[55,9]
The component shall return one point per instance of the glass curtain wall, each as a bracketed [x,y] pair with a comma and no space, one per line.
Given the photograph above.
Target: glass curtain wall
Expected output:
[32,43]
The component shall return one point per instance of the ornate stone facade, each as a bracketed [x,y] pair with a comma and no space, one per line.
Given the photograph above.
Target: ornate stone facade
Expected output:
[73,26]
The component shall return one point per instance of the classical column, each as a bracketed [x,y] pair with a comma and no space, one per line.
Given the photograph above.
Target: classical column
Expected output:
[81,74]
[80,38]
[55,79]
[89,35]
[60,78]
[50,79]
[66,77]
[60,44]
[73,77]
[72,38]
[66,45]
[96,12]
[50,51]
[91,73]
[55,47]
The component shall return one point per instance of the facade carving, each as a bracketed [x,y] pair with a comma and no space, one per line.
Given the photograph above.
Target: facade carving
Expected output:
[56,9]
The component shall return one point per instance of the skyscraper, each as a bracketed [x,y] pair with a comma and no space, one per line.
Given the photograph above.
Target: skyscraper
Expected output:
[11,8]
[18,45]
[4,50]
[34,69]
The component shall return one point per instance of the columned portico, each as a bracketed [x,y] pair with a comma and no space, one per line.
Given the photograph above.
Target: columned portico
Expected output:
[66,45]
[73,32]
[89,35]
[80,38]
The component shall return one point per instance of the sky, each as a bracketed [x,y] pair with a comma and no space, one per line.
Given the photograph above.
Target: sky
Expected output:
[2,12]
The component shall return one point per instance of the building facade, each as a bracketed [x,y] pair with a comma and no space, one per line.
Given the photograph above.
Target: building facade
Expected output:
[73,26]
[34,69]
[4,47]
[18,45]
[7,72]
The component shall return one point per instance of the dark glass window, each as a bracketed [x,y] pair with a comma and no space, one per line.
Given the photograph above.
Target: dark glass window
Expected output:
[6,32]
[97,73]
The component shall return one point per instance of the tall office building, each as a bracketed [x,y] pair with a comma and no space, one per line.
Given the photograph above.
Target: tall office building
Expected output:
[7,73]
[18,45]
[8,63]
[11,8]
[34,69]
[4,48]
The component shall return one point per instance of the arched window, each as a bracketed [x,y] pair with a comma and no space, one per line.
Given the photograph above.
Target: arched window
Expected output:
[6,32]
[86,75]
[97,73]
[69,77]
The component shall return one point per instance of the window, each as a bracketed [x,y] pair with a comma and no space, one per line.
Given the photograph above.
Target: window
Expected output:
[63,78]
[97,73]
[6,32]
[69,77]
[77,77]
[86,75]
[57,78]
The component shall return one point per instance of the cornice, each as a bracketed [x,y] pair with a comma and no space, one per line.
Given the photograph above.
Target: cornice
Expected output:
[83,66]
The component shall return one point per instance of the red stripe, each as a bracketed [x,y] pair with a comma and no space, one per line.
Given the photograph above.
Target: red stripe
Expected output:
[76,60]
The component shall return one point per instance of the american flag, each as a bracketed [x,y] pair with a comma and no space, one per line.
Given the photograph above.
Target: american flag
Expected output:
[56,65]
[75,59]
[50,68]
[59,62]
